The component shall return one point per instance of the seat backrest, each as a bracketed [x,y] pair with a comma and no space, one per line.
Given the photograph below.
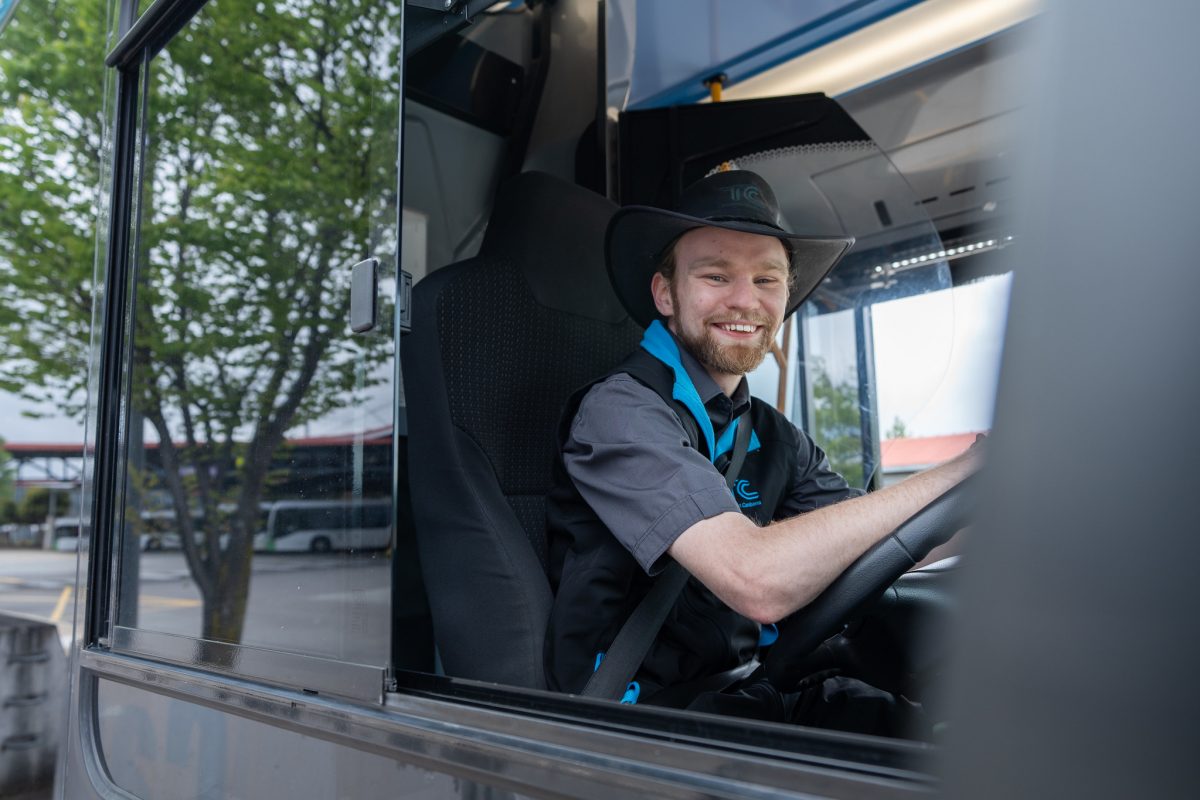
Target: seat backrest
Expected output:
[498,344]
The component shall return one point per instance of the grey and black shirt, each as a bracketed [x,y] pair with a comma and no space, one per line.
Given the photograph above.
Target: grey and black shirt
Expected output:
[629,482]
[629,455]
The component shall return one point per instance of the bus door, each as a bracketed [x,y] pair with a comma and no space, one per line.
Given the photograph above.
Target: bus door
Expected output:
[247,318]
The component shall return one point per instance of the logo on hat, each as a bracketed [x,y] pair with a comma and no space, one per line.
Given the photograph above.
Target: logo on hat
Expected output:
[746,192]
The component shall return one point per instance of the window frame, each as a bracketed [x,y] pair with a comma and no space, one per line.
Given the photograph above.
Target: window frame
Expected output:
[140,40]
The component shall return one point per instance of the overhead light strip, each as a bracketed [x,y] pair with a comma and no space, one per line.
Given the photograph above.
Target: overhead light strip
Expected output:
[911,37]
[946,254]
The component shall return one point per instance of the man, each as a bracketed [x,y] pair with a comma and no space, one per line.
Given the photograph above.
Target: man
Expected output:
[640,482]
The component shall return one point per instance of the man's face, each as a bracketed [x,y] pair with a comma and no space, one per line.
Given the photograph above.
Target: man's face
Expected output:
[727,298]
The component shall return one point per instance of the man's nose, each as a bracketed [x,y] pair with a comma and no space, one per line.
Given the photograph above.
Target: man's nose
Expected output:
[742,294]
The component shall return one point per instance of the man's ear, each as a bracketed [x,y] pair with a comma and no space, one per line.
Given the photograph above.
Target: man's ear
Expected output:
[660,287]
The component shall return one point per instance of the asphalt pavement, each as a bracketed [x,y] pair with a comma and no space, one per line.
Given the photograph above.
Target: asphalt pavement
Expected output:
[40,584]
[331,605]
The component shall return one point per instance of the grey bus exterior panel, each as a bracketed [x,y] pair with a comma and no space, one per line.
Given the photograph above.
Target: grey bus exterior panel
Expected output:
[303,673]
[544,758]
[228,755]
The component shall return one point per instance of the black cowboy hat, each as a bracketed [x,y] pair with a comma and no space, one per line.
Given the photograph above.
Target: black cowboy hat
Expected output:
[737,200]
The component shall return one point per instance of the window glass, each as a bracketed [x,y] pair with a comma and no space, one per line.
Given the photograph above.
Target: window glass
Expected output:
[923,428]
[259,432]
[834,386]
[52,159]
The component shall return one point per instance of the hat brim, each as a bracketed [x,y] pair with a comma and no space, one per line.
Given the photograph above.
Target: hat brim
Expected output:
[637,235]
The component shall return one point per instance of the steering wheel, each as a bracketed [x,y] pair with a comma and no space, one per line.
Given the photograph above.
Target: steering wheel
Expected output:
[866,579]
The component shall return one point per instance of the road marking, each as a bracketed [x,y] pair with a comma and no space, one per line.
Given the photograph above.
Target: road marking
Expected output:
[59,609]
[64,599]
[168,602]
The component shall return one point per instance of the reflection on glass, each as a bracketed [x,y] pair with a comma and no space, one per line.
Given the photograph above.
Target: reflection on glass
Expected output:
[51,139]
[835,408]
[259,433]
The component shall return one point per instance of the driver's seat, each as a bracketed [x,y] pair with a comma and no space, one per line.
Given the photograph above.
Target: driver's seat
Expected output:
[498,343]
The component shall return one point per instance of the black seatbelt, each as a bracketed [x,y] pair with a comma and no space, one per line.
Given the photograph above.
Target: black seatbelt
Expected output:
[633,641]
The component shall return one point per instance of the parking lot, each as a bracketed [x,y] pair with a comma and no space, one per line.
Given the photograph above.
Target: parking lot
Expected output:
[294,598]
[41,584]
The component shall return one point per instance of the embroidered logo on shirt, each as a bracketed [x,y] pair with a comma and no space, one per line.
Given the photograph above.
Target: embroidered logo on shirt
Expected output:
[745,493]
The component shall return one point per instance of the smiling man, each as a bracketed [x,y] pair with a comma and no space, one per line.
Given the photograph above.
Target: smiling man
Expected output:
[668,458]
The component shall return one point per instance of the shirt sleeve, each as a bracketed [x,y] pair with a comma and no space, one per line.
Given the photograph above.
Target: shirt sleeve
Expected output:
[814,484]
[629,456]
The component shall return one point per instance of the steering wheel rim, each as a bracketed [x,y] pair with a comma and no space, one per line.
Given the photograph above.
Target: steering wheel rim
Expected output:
[866,579]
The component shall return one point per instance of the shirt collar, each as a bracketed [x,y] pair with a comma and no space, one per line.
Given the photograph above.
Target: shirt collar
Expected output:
[706,387]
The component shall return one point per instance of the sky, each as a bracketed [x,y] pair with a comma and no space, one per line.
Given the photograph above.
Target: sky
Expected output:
[56,428]
[937,357]
[938,384]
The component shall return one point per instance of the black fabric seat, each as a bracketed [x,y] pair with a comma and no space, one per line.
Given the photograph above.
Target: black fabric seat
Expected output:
[498,343]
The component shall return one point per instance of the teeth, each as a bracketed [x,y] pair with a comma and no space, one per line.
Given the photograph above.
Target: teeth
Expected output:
[733,326]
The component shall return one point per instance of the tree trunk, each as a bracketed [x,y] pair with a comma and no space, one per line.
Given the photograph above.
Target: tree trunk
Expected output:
[225,606]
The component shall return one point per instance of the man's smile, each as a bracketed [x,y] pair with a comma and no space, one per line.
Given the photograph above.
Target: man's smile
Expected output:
[738,330]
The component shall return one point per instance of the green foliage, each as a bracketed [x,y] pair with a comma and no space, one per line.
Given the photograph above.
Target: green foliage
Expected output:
[898,430]
[270,169]
[51,145]
[35,505]
[6,483]
[838,423]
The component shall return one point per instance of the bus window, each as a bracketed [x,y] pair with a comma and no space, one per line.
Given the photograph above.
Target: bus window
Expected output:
[268,172]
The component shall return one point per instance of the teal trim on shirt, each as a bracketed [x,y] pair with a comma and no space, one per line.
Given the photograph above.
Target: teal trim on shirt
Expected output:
[658,342]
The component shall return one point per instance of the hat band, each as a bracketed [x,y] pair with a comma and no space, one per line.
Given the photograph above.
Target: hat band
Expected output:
[751,220]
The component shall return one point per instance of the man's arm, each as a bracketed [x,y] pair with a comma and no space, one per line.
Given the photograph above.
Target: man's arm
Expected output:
[767,573]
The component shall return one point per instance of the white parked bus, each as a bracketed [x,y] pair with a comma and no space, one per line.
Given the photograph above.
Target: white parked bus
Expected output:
[66,534]
[321,526]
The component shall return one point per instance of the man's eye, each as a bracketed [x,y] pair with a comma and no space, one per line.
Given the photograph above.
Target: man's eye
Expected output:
[715,278]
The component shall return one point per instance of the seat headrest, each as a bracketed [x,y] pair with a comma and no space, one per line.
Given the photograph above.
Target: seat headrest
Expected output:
[554,231]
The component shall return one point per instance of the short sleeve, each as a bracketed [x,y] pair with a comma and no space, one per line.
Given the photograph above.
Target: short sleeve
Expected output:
[629,456]
[814,483]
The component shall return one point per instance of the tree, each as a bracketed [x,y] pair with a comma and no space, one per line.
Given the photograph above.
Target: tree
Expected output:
[898,430]
[35,505]
[838,423]
[6,485]
[271,169]
[51,149]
